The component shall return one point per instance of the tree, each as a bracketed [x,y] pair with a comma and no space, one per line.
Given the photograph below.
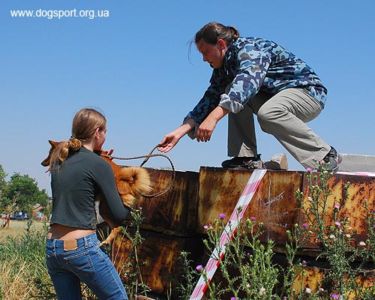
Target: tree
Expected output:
[3,182]
[22,191]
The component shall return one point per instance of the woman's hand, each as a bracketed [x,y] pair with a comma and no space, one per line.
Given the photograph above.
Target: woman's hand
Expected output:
[168,142]
[205,130]
[171,139]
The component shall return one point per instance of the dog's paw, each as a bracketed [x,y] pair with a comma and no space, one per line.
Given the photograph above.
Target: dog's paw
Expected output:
[104,243]
[129,200]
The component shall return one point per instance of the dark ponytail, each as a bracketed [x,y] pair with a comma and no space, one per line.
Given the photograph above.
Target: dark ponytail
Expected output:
[213,31]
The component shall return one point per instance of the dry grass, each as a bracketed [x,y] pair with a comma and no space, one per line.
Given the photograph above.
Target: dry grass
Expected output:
[17,228]
[23,273]
[14,282]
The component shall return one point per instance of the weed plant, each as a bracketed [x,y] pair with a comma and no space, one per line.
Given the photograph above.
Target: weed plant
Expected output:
[131,269]
[247,270]
[23,271]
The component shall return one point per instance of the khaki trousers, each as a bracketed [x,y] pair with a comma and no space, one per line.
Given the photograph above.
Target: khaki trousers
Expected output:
[283,115]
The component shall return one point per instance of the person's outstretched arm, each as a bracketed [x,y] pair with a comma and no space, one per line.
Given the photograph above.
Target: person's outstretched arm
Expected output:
[105,180]
[171,139]
[202,114]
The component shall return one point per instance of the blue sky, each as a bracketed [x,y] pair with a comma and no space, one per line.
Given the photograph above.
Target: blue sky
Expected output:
[135,66]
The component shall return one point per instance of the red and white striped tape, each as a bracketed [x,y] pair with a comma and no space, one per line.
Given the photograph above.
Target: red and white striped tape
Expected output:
[227,234]
[365,174]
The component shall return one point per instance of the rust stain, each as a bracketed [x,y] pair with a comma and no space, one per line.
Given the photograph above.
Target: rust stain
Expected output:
[274,203]
[171,211]
[217,190]
[308,277]
[158,257]
[360,192]
[313,277]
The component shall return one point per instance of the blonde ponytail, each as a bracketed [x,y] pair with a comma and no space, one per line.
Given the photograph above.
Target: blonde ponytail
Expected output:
[62,151]
[85,122]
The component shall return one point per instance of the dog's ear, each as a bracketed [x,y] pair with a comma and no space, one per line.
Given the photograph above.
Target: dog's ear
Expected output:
[46,161]
[53,144]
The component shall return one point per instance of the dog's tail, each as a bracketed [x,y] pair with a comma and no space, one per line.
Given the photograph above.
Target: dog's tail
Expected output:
[135,178]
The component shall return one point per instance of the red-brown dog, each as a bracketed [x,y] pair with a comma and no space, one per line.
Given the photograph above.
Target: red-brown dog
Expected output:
[132,183]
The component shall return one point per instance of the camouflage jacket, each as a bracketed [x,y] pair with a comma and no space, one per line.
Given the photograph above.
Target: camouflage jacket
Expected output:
[251,65]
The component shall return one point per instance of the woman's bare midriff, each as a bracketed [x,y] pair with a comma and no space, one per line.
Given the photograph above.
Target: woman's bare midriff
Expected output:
[61,232]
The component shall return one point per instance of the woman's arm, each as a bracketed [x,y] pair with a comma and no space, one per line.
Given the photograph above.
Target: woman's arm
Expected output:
[171,139]
[105,180]
[205,130]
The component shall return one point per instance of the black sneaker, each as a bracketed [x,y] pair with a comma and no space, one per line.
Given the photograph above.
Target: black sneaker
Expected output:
[332,160]
[243,163]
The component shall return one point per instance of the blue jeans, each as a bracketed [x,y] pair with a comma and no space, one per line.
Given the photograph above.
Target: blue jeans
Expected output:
[89,264]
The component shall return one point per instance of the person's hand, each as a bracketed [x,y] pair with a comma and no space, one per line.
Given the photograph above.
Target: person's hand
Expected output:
[171,139]
[109,152]
[205,130]
[106,153]
[168,142]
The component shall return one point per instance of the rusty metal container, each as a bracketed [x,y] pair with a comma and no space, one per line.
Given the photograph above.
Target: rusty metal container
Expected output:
[274,203]
[175,212]
[159,257]
[312,277]
[174,221]
[355,197]
[309,279]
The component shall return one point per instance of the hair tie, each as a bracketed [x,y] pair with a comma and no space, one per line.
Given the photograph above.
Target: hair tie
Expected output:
[74,144]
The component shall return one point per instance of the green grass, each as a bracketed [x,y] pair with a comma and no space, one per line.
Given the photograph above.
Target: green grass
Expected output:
[23,273]
[17,229]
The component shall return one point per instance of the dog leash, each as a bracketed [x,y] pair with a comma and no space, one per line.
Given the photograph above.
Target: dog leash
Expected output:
[146,158]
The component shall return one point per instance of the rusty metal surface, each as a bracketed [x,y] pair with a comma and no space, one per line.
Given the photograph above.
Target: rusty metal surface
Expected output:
[176,211]
[159,258]
[174,221]
[274,204]
[361,191]
[312,278]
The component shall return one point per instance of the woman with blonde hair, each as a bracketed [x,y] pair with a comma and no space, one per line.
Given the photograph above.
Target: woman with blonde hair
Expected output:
[78,174]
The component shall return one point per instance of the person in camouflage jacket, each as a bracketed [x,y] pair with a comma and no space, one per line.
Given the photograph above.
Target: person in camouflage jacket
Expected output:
[256,76]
